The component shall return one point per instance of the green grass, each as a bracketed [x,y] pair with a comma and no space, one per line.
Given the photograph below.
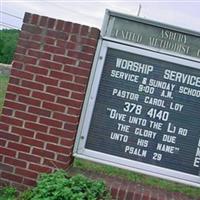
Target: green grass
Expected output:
[3,87]
[139,178]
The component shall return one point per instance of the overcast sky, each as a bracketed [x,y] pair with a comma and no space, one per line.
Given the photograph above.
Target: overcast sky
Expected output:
[181,13]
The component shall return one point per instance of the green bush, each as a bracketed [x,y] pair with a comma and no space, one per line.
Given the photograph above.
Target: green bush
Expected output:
[8,193]
[8,42]
[59,186]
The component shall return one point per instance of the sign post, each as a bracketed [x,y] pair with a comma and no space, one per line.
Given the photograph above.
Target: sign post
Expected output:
[142,109]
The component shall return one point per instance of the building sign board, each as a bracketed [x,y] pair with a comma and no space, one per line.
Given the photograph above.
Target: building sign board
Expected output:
[152,34]
[142,113]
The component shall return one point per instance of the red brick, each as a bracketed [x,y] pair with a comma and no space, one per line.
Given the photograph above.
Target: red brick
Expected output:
[20,50]
[89,42]
[33,142]
[50,122]
[67,26]
[11,120]
[27,44]
[39,54]
[14,105]
[43,21]
[65,117]
[54,49]
[47,138]
[50,64]
[37,38]
[53,106]
[9,136]
[26,173]
[24,35]
[43,153]
[57,91]
[32,85]
[70,127]
[51,23]
[61,75]
[70,45]
[8,152]
[34,19]
[60,25]
[29,101]
[35,126]
[7,168]
[55,164]
[94,33]
[4,127]
[19,146]
[76,28]
[7,111]
[15,162]
[39,168]
[21,74]
[30,182]
[74,111]
[67,142]
[88,49]
[64,158]
[43,96]
[14,80]
[81,80]
[31,29]
[46,80]
[69,102]
[17,65]
[18,90]
[78,96]
[56,34]
[77,71]
[39,111]
[2,143]
[61,43]
[58,149]
[22,132]
[80,55]
[25,116]
[10,96]
[62,133]
[27,17]
[36,70]
[49,40]
[72,86]
[11,177]
[64,60]
[29,157]
[84,30]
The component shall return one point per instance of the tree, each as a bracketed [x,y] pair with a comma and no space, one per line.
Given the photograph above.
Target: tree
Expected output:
[8,42]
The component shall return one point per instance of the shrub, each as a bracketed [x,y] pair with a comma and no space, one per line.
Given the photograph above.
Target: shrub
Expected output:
[59,186]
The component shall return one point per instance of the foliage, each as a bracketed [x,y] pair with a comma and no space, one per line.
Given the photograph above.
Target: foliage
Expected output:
[7,193]
[59,186]
[8,41]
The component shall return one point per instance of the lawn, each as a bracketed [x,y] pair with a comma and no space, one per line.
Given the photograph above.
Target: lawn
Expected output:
[3,86]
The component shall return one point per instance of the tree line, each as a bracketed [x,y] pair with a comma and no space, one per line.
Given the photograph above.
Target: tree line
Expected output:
[8,42]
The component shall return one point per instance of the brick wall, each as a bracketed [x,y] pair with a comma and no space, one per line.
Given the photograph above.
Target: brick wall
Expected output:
[44,98]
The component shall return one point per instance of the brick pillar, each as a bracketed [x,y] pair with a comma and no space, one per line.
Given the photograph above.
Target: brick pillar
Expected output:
[44,98]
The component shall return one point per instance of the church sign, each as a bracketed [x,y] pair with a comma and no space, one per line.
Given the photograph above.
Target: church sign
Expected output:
[142,108]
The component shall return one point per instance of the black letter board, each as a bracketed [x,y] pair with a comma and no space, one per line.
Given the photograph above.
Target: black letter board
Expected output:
[142,113]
